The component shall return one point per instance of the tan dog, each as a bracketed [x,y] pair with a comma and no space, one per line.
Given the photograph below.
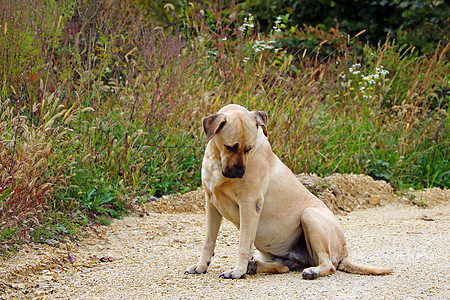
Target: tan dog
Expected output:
[246,183]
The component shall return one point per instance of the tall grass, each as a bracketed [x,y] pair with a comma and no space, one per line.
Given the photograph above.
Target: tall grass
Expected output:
[102,106]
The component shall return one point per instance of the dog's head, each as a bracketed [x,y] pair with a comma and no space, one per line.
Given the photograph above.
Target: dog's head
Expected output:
[234,132]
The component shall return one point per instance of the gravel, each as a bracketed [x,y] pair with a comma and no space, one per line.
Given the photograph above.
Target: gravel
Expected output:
[145,258]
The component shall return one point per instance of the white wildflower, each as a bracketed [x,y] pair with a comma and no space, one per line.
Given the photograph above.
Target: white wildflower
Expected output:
[248,22]
[211,53]
[262,45]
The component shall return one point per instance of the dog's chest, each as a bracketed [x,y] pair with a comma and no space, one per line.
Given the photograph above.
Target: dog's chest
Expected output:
[226,206]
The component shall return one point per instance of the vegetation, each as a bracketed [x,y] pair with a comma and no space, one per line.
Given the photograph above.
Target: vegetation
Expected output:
[421,24]
[98,105]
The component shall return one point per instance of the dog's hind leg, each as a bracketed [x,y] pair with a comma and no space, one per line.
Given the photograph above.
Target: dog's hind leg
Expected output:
[325,242]
[269,267]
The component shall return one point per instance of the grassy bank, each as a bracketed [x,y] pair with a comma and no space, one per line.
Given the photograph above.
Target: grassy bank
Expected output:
[99,106]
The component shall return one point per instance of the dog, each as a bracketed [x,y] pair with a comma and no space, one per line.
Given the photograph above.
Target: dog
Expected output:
[245,182]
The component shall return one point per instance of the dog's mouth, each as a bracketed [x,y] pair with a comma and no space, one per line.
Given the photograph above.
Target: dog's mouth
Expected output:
[233,172]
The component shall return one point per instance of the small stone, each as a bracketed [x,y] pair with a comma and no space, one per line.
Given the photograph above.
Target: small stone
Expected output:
[374,200]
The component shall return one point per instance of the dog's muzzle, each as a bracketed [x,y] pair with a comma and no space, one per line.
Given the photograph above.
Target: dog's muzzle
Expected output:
[234,172]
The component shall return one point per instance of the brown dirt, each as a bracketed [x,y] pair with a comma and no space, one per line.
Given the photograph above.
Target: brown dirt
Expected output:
[144,255]
[340,192]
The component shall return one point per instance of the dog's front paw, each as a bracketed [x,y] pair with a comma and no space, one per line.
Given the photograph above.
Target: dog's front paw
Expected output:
[196,269]
[233,274]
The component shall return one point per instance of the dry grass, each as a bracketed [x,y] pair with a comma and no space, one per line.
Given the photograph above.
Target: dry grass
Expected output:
[34,160]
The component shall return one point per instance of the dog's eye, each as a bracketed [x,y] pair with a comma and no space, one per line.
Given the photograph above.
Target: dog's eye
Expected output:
[233,148]
[248,149]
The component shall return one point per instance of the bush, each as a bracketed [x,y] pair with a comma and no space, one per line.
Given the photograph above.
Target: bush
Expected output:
[421,24]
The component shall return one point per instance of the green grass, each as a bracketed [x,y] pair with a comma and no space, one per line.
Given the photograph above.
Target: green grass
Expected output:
[97,109]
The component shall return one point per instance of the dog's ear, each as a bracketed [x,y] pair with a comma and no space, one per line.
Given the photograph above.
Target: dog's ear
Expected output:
[213,124]
[261,119]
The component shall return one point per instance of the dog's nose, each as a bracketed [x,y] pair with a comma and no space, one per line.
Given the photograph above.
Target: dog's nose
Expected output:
[240,172]
[234,172]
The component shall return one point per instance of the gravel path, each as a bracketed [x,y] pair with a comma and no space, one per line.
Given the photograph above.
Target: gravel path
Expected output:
[146,256]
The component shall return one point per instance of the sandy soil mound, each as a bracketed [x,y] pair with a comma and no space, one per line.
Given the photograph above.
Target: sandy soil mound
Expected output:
[192,202]
[341,192]
[347,192]
[428,197]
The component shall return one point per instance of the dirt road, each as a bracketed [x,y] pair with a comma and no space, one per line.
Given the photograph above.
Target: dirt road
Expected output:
[144,258]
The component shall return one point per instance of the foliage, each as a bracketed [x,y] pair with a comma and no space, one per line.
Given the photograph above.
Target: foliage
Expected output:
[103,106]
[421,24]
[319,43]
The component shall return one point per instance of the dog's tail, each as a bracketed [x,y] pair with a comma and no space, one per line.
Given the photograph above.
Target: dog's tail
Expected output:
[348,266]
